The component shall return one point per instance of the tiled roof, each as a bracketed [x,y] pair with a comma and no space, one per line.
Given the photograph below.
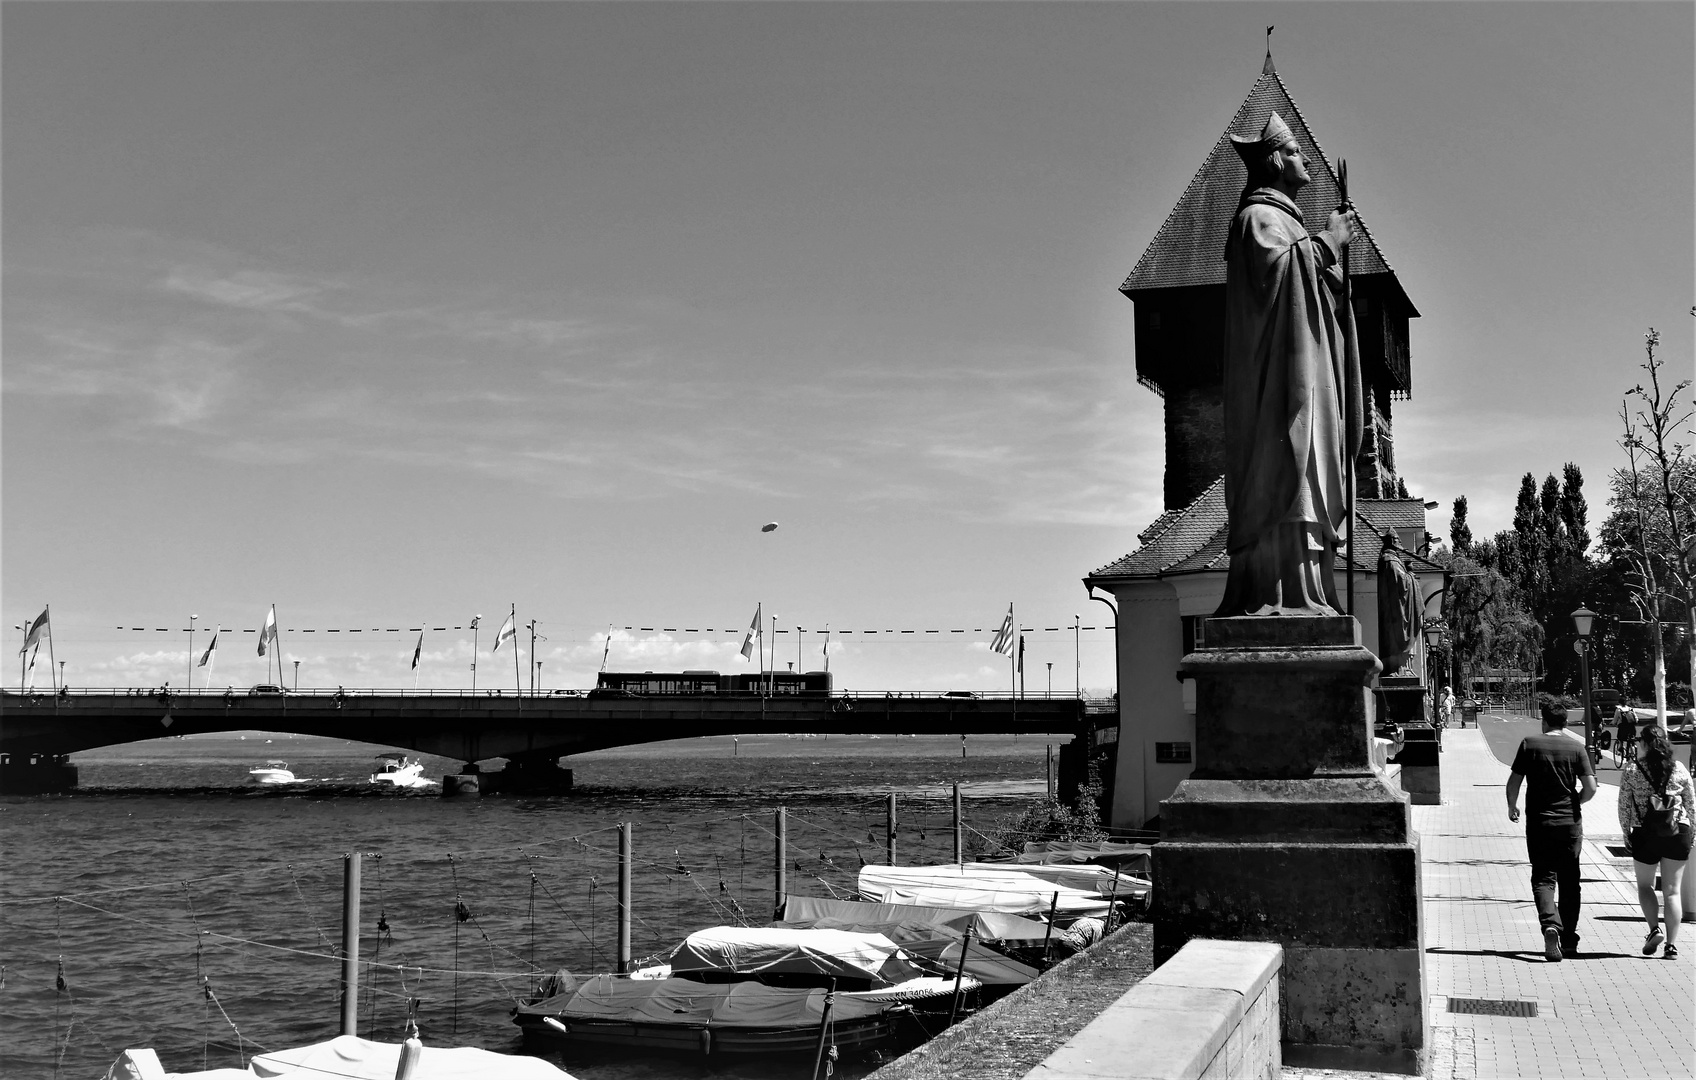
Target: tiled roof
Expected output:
[1189,249]
[1192,540]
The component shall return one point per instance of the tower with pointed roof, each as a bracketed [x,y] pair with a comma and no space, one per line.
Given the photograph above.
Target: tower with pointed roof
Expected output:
[1178,287]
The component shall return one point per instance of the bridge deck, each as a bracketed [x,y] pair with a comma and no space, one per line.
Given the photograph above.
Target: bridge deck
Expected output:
[478,726]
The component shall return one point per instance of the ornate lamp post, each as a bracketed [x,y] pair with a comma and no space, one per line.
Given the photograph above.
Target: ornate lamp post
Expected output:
[1433,638]
[1582,620]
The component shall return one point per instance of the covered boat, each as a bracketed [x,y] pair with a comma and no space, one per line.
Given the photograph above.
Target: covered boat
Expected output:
[398,770]
[1134,859]
[690,1016]
[988,887]
[933,933]
[347,1056]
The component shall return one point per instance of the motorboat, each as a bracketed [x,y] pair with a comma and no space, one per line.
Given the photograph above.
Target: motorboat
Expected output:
[348,1056]
[398,770]
[272,772]
[678,1015]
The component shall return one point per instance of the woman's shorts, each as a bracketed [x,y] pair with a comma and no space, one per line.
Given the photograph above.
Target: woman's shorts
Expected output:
[1652,849]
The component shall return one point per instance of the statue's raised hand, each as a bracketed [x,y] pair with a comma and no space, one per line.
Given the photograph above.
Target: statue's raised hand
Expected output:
[1341,225]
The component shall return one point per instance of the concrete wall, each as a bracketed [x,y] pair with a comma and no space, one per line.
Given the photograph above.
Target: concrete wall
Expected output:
[1212,1011]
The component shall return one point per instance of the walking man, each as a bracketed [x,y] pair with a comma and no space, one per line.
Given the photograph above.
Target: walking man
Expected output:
[1558,779]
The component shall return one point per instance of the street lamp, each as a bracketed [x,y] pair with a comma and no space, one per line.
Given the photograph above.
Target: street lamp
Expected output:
[1581,621]
[1433,638]
[1051,678]
[191,619]
[297,676]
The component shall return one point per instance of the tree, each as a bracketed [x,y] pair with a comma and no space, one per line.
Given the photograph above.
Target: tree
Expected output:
[1488,626]
[1460,533]
[1652,533]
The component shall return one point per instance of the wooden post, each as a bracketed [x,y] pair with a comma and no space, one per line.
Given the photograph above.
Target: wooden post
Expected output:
[824,1031]
[889,830]
[1053,909]
[780,864]
[959,826]
[1048,769]
[624,866]
[350,944]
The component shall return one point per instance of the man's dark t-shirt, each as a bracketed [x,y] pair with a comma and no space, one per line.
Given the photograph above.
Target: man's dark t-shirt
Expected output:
[1551,765]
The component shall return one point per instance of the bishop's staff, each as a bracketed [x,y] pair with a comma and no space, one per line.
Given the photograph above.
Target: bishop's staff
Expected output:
[1352,398]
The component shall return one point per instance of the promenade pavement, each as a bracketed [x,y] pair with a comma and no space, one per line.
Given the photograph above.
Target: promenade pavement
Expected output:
[1609,1011]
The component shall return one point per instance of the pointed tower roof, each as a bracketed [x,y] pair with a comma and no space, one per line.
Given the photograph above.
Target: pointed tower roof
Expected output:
[1189,249]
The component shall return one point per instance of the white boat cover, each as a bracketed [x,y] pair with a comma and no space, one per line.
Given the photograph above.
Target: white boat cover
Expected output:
[686,1003]
[347,1057]
[1126,858]
[984,886]
[986,966]
[763,950]
[904,923]
[1086,877]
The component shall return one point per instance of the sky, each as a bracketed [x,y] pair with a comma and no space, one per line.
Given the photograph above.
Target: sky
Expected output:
[393,314]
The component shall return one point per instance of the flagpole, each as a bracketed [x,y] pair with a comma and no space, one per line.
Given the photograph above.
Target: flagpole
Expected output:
[1012,669]
[771,670]
[607,649]
[475,619]
[51,662]
[517,679]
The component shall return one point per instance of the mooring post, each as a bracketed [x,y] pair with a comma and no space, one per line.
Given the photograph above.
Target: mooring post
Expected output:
[889,829]
[1048,770]
[624,866]
[959,825]
[350,944]
[780,863]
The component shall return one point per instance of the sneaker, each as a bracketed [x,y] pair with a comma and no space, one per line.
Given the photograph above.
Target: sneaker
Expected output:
[1552,945]
[1653,941]
[1569,946]
[1671,952]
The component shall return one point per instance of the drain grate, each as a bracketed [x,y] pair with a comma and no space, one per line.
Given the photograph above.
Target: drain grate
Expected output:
[1492,1007]
[1618,851]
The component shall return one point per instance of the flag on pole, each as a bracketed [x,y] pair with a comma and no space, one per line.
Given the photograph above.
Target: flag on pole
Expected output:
[206,657]
[270,632]
[1003,640]
[418,650]
[748,640]
[32,657]
[34,635]
[508,631]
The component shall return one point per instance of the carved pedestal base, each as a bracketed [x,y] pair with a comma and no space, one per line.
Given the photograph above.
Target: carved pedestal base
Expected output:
[1286,833]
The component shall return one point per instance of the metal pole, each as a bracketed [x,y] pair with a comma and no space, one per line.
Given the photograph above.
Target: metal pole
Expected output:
[889,829]
[959,825]
[190,683]
[297,676]
[350,945]
[1053,908]
[1078,655]
[824,1029]
[1589,714]
[1048,771]
[780,864]
[959,974]
[624,866]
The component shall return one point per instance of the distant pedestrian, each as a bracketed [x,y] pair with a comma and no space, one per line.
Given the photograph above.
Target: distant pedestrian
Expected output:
[1657,806]
[1627,733]
[1447,705]
[1556,772]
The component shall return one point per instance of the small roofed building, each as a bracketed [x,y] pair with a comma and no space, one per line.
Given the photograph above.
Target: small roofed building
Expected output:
[1164,592]
[1167,587]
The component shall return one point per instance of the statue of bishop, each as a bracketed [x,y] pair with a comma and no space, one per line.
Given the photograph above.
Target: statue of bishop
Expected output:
[1292,389]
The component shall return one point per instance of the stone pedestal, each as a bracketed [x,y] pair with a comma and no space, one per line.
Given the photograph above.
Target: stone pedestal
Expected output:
[1286,833]
[1404,700]
[1421,773]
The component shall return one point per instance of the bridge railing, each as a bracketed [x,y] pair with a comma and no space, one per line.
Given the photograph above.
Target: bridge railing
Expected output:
[497,692]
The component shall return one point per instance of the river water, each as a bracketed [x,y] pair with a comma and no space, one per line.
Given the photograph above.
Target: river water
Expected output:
[169,903]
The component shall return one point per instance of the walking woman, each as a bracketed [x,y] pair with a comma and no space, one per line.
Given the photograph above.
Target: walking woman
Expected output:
[1657,806]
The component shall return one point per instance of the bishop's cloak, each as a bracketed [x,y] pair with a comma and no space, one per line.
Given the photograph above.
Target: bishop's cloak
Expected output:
[1292,411]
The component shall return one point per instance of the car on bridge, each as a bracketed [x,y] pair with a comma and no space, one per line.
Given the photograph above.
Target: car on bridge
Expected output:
[266,688]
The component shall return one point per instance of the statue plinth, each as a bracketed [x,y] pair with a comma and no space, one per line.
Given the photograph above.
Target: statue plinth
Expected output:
[1285,832]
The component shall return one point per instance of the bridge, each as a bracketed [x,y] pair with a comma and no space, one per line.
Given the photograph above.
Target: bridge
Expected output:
[530,731]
